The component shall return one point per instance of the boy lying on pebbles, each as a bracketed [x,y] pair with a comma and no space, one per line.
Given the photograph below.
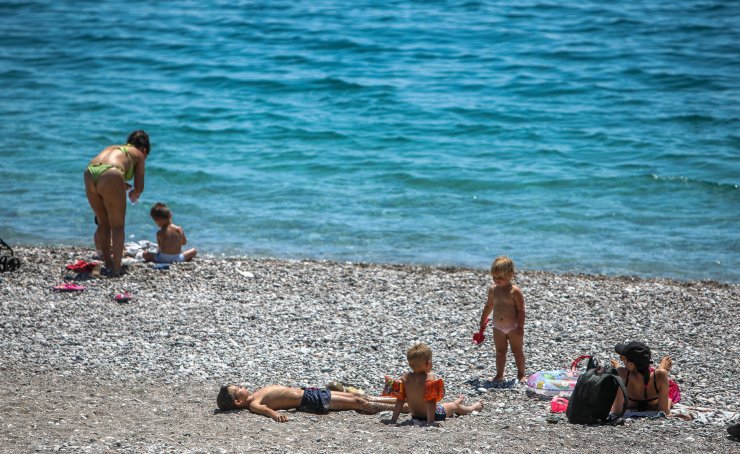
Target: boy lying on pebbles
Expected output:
[268,400]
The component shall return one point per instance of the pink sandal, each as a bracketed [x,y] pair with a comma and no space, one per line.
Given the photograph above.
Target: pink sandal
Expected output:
[124,297]
[69,287]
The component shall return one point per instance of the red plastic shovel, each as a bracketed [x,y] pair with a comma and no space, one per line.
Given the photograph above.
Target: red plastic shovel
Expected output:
[479,337]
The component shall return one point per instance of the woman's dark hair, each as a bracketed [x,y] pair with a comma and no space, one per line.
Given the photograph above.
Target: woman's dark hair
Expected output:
[225,400]
[139,139]
[645,373]
[638,354]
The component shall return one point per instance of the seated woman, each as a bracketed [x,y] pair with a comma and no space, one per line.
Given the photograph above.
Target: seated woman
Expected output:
[647,390]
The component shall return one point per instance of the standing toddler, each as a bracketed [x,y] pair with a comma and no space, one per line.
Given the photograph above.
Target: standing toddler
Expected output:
[506,301]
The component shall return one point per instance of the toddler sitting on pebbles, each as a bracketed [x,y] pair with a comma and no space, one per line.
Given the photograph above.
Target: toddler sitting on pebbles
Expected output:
[170,238]
[422,390]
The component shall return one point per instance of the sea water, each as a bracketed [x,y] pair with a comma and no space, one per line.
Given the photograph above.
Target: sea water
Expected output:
[588,136]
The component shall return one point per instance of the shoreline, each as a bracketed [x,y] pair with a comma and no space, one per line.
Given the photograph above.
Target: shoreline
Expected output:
[565,274]
[97,375]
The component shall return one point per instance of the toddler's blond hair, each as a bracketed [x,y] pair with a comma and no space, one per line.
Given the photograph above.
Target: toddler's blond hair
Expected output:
[503,265]
[418,355]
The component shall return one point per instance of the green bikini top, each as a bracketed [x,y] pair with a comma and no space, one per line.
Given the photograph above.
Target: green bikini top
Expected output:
[130,174]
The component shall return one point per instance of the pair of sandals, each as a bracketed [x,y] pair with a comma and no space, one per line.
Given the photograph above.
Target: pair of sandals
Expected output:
[8,263]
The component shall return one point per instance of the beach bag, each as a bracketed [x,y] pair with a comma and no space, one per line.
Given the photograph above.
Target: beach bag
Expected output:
[674,392]
[7,261]
[593,396]
[558,405]
[557,383]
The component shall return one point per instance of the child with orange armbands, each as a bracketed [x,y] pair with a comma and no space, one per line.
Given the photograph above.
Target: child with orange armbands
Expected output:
[422,390]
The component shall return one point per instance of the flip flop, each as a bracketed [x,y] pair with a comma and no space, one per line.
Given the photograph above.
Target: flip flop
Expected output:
[69,287]
[124,297]
[82,266]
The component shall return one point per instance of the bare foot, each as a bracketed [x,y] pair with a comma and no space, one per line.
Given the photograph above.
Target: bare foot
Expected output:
[521,377]
[478,406]
[108,272]
[497,379]
[666,363]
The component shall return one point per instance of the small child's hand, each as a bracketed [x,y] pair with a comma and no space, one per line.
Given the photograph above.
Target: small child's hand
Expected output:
[133,196]
[614,363]
[281,418]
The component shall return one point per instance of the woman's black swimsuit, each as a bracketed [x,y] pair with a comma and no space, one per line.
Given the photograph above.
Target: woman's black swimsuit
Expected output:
[642,404]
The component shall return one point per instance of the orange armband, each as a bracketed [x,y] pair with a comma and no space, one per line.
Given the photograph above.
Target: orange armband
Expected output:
[394,388]
[434,390]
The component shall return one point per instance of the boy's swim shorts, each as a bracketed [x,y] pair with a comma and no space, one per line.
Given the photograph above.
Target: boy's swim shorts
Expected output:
[315,400]
[439,413]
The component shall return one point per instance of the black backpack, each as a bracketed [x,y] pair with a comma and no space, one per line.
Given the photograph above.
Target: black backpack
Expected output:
[594,395]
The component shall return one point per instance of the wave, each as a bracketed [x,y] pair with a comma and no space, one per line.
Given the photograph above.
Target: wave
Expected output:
[696,182]
[335,83]
[549,90]
[191,126]
[671,80]
[695,118]
[346,44]
[241,80]
[504,116]
[15,73]
[305,134]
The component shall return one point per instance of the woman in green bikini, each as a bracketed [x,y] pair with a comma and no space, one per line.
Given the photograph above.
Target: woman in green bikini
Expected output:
[105,187]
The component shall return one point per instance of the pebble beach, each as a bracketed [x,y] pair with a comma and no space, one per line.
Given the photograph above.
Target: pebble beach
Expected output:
[81,372]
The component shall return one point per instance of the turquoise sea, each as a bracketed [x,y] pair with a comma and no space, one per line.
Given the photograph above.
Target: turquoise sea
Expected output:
[574,136]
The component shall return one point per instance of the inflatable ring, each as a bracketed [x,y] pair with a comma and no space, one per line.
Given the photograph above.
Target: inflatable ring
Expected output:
[551,383]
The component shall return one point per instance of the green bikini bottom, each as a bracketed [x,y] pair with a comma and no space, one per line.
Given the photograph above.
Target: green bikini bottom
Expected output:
[98,169]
